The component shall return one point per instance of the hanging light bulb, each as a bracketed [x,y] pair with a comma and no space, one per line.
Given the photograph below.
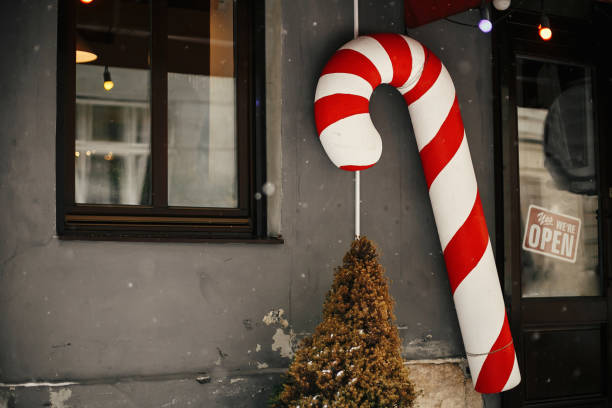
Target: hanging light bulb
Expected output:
[485,25]
[108,82]
[544,28]
[83,51]
[86,1]
[501,5]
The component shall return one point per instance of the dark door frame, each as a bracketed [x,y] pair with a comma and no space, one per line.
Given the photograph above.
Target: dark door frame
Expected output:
[574,41]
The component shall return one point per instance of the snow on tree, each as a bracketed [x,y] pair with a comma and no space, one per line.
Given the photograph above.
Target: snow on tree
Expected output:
[353,358]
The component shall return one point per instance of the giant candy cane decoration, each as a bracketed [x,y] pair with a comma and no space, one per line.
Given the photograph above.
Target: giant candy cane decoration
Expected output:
[352,143]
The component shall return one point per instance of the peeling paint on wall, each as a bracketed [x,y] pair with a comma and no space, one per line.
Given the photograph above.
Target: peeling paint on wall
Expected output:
[59,398]
[282,342]
[275,316]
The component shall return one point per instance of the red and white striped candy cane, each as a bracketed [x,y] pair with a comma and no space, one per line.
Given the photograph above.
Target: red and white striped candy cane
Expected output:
[352,143]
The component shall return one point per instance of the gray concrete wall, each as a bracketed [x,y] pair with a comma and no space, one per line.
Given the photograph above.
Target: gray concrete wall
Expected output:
[136,322]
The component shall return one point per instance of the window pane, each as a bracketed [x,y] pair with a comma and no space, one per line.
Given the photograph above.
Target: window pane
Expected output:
[202,165]
[558,180]
[113,124]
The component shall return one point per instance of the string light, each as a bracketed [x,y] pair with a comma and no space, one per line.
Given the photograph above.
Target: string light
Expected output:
[485,25]
[108,82]
[501,5]
[544,28]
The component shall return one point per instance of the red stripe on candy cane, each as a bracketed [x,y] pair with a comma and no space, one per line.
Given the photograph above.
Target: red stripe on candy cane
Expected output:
[437,153]
[431,71]
[467,246]
[399,53]
[331,109]
[357,168]
[498,365]
[353,62]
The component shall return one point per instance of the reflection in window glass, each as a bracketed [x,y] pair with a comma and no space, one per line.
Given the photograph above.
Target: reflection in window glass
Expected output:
[202,164]
[557,170]
[112,129]
[201,141]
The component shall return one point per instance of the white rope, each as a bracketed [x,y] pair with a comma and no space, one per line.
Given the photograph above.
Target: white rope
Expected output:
[357,202]
[357,173]
[355,18]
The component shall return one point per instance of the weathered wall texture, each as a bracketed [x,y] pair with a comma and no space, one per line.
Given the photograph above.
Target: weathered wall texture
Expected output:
[135,323]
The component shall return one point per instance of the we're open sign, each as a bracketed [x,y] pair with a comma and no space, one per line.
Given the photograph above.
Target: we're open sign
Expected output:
[551,234]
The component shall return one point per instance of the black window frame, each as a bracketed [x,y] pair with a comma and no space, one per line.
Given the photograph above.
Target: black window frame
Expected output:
[158,221]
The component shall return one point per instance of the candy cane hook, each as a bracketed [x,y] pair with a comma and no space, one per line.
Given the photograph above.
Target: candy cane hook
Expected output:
[352,143]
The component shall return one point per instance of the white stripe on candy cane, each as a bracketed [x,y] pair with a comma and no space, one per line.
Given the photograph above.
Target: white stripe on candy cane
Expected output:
[340,83]
[342,136]
[453,193]
[432,108]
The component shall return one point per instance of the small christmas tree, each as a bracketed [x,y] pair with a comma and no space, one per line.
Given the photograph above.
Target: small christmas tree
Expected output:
[353,358]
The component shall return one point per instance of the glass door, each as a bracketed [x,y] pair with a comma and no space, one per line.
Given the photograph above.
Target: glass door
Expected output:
[553,173]
[560,264]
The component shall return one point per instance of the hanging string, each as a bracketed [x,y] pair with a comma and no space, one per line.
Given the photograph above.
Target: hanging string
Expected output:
[357,199]
[357,173]
[355,18]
